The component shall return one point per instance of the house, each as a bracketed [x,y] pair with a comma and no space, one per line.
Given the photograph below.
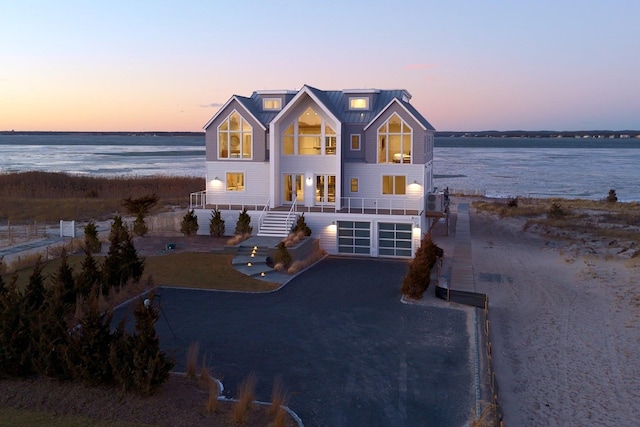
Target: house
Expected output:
[357,163]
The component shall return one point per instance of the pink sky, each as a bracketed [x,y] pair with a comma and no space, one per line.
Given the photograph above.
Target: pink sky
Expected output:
[162,66]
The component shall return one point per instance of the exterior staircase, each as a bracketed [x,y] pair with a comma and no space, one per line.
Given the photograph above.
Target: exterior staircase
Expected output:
[276,224]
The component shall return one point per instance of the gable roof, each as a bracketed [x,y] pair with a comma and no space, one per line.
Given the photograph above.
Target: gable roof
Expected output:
[334,102]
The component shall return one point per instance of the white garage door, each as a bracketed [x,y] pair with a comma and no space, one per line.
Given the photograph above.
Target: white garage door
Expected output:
[354,237]
[394,239]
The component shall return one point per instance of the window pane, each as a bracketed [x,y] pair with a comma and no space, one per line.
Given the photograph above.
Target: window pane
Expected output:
[358,103]
[246,145]
[328,130]
[309,145]
[354,185]
[403,227]
[287,145]
[385,226]
[362,250]
[234,120]
[362,225]
[234,137]
[235,181]
[345,224]
[362,233]
[355,142]
[401,184]
[223,145]
[382,149]
[395,124]
[387,184]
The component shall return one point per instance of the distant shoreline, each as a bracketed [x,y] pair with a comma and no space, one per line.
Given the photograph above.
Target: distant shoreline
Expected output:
[622,134]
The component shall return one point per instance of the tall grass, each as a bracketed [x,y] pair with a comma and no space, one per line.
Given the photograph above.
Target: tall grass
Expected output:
[49,197]
[192,359]
[245,398]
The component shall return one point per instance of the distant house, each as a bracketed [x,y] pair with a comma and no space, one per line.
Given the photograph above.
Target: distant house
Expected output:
[358,164]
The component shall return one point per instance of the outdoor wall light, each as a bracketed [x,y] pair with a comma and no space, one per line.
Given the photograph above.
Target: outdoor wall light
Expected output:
[309,181]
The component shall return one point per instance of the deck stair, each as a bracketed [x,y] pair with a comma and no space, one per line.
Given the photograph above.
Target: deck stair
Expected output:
[277,224]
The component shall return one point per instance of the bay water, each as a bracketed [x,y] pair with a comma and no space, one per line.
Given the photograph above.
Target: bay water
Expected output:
[497,167]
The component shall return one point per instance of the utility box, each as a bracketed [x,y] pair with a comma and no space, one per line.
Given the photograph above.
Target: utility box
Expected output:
[435,202]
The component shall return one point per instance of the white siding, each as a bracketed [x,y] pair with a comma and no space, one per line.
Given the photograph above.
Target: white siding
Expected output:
[256,185]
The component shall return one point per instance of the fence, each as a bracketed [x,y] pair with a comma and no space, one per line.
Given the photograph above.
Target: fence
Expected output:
[10,234]
[481,301]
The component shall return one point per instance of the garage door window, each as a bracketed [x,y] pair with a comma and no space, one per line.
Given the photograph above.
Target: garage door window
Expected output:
[354,237]
[394,239]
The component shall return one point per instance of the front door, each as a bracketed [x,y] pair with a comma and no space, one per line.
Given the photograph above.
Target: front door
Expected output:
[293,188]
[325,189]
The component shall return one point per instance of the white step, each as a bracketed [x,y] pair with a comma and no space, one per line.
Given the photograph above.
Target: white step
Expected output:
[275,224]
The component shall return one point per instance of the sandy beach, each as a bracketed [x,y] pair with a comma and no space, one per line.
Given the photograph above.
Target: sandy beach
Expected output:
[565,325]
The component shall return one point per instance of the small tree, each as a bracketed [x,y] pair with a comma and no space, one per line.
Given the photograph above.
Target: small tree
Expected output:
[91,241]
[189,224]
[216,225]
[612,197]
[301,226]
[418,277]
[140,208]
[64,277]
[122,262]
[89,276]
[243,225]
[140,226]
[282,255]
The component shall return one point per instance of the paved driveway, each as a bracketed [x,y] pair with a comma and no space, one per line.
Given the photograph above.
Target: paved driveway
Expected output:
[349,352]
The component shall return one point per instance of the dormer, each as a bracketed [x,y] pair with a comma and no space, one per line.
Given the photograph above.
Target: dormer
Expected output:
[359,99]
[274,100]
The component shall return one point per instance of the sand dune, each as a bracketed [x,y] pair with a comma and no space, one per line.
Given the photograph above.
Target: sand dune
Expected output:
[565,327]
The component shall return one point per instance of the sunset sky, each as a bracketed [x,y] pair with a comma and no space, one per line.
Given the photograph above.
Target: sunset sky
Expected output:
[469,65]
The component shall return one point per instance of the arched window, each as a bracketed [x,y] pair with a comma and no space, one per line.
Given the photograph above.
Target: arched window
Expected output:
[394,141]
[235,138]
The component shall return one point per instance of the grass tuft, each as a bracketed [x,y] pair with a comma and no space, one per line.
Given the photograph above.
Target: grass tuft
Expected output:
[279,398]
[246,396]
[192,359]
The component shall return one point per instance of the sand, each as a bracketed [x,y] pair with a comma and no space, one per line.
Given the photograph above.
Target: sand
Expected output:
[565,326]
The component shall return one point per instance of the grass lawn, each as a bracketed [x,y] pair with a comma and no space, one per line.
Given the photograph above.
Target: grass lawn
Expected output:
[203,270]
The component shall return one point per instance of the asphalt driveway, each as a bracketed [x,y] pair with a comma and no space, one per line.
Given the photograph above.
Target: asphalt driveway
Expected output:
[347,349]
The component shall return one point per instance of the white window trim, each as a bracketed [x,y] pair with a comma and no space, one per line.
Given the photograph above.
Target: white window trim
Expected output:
[357,98]
[228,132]
[244,180]
[394,194]
[264,101]
[359,142]
[387,134]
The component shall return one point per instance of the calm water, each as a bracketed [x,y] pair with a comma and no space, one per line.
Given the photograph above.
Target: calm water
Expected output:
[541,167]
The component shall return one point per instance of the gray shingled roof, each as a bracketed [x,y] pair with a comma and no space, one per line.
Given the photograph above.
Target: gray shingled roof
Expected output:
[335,101]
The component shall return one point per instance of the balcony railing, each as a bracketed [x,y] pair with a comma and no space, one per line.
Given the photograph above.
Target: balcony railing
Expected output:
[356,205]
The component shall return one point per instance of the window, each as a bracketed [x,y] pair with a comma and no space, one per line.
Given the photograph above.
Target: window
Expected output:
[355,142]
[309,135]
[271,104]
[394,141]
[235,181]
[235,136]
[354,185]
[394,184]
[359,103]
[354,237]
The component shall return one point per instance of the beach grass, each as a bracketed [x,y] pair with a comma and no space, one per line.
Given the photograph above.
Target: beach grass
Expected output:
[50,197]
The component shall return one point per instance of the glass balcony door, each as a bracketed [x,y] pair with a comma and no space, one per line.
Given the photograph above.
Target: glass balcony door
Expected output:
[325,189]
[293,188]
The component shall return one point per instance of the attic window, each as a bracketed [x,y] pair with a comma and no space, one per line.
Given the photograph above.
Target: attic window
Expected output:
[271,104]
[360,103]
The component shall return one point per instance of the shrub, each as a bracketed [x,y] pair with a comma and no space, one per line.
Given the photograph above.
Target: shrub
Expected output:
[216,224]
[301,226]
[556,211]
[279,397]
[189,224]
[418,277]
[140,226]
[612,197]
[512,203]
[122,262]
[282,255]
[91,241]
[243,225]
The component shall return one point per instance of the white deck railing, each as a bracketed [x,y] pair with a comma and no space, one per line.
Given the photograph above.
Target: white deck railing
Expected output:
[362,205]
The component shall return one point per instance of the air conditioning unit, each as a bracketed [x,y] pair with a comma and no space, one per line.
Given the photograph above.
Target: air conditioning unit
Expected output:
[435,202]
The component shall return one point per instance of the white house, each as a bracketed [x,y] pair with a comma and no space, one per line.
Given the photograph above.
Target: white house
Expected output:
[358,163]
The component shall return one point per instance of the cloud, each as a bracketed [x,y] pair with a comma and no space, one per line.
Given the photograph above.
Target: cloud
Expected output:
[420,67]
[212,105]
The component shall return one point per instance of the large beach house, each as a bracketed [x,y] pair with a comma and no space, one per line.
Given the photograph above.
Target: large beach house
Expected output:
[357,163]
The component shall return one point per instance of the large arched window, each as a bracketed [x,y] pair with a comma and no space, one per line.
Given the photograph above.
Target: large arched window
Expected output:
[309,135]
[394,141]
[235,137]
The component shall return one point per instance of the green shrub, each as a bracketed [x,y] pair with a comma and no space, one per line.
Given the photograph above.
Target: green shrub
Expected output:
[216,224]
[189,224]
[282,255]
[91,241]
[243,225]
[301,226]
[512,203]
[612,197]
[140,226]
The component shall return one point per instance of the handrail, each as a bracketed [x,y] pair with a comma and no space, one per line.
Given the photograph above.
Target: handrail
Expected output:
[292,210]
[264,213]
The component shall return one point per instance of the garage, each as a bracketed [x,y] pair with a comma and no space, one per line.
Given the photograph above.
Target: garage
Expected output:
[394,239]
[354,237]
